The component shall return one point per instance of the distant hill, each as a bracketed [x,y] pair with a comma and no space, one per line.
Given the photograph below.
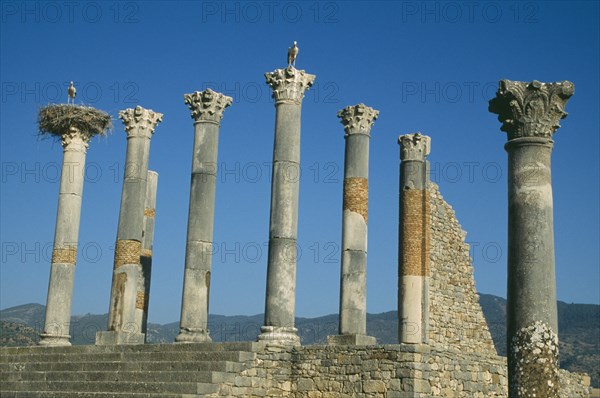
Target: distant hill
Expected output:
[579,329]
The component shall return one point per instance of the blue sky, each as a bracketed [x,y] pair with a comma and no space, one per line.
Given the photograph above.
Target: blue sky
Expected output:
[427,66]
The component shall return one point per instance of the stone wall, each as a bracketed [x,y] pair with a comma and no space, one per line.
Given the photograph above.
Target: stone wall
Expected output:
[455,316]
[460,359]
[378,371]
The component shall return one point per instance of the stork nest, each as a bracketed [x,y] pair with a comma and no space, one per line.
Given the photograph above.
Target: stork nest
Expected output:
[58,119]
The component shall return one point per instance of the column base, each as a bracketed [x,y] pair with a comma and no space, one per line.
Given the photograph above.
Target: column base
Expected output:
[351,339]
[119,338]
[279,335]
[52,340]
[188,335]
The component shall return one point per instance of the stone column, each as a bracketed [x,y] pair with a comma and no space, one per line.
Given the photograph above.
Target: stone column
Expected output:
[122,326]
[289,86]
[143,291]
[66,234]
[357,121]
[530,114]
[413,239]
[207,111]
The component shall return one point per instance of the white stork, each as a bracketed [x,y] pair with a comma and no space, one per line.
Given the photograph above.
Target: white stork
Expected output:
[292,54]
[72,93]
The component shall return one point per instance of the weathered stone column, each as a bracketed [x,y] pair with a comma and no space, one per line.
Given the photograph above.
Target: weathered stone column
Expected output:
[413,242]
[357,121]
[289,86]
[207,111]
[143,291]
[122,326]
[66,233]
[530,114]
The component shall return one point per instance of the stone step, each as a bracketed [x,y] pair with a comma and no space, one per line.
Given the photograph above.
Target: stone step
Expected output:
[79,394]
[101,386]
[221,366]
[121,376]
[166,370]
[79,349]
[130,357]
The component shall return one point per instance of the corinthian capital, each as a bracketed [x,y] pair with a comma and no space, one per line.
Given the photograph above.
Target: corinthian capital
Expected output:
[289,84]
[140,121]
[207,105]
[531,109]
[74,136]
[358,119]
[414,146]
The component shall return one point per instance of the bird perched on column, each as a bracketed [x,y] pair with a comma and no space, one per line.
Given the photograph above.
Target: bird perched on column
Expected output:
[292,54]
[72,93]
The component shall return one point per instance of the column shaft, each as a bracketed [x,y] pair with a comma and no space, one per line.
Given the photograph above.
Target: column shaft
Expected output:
[357,121]
[198,254]
[64,253]
[413,236]
[530,113]
[283,225]
[207,109]
[288,87]
[143,293]
[122,325]
[532,318]
[353,284]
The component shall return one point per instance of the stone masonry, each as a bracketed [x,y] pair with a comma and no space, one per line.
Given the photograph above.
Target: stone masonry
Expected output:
[455,316]
[448,353]
[207,109]
[459,360]
[122,326]
[357,121]
[289,86]
[414,234]
[530,114]
[64,252]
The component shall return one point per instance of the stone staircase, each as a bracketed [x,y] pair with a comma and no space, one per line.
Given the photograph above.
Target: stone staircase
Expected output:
[160,370]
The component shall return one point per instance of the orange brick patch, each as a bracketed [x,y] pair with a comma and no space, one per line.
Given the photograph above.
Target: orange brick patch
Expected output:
[356,196]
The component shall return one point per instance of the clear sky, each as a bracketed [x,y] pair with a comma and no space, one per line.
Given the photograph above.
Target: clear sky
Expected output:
[427,66]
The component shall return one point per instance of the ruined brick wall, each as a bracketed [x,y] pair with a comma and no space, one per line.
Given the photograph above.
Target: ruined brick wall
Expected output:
[455,316]
[460,359]
[379,371]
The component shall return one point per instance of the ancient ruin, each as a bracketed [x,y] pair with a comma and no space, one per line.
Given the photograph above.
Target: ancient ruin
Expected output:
[530,115]
[207,111]
[289,86]
[357,121]
[444,345]
[142,300]
[74,126]
[413,240]
[122,325]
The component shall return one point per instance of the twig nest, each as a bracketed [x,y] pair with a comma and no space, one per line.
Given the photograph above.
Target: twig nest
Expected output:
[60,119]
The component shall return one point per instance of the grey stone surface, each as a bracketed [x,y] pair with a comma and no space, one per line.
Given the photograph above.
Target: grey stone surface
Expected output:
[207,111]
[357,121]
[139,126]
[530,114]
[66,235]
[289,86]
[455,316]
[459,360]
[413,240]
[351,339]
[133,336]
[258,370]
[143,292]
